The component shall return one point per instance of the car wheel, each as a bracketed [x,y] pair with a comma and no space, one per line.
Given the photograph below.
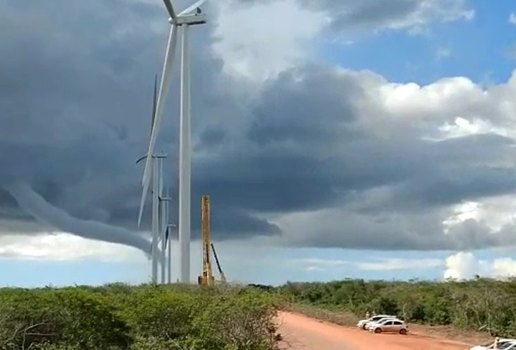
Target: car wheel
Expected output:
[403,331]
[364,327]
[378,330]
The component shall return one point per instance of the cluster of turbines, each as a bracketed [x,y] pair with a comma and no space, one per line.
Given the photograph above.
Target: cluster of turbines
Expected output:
[153,173]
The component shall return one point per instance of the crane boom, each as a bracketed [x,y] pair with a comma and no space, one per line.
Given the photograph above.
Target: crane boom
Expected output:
[222,276]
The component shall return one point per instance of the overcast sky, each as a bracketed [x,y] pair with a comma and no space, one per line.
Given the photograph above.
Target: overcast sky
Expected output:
[330,135]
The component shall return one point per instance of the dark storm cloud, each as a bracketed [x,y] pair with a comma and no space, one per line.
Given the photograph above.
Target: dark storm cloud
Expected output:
[75,93]
[337,162]
[284,114]
[395,231]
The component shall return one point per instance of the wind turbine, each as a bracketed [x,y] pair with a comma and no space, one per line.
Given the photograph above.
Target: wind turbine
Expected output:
[189,17]
[159,208]
[165,230]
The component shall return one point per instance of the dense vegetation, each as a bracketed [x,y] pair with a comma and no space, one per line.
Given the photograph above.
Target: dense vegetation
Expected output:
[148,317]
[471,305]
[119,317]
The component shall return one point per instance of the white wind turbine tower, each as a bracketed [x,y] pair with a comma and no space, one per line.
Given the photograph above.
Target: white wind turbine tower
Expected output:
[190,16]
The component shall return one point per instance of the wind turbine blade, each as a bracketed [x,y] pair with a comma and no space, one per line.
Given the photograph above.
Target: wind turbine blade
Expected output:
[192,7]
[154,101]
[142,204]
[140,159]
[163,92]
[170,8]
[160,184]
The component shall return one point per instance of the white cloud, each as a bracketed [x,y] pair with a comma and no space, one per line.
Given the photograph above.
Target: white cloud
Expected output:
[461,266]
[443,52]
[262,40]
[464,265]
[383,264]
[63,247]
[512,18]
[463,127]
[504,267]
[461,213]
[448,108]
[415,101]
[494,213]
[376,15]
[400,264]
[315,264]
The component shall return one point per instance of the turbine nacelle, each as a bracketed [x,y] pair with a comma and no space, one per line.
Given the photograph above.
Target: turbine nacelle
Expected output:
[191,15]
[192,19]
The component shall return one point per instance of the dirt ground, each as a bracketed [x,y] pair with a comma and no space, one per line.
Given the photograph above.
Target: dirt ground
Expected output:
[303,333]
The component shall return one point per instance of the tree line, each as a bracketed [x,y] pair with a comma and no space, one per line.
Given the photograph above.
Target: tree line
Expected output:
[477,304]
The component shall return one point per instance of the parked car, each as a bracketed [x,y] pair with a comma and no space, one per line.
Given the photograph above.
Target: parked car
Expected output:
[389,325]
[503,343]
[363,323]
[373,323]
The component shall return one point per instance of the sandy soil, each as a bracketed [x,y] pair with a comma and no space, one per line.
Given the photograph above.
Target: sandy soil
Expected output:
[303,333]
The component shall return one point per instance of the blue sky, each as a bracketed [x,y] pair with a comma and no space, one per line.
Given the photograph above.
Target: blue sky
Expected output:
[477,48]
[251,264]
[283,265]
[328,240]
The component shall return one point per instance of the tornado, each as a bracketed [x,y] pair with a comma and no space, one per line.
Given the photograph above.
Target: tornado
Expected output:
[35,205]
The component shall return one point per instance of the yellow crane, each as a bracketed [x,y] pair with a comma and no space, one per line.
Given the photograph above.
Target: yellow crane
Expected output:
[206,278]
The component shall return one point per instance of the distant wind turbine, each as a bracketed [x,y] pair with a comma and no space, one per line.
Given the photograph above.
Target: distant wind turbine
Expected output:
[159,204]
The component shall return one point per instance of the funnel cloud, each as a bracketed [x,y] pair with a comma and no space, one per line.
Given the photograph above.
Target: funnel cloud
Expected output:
[43,211]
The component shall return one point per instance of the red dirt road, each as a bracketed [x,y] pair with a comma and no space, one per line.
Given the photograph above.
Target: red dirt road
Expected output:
[303,333]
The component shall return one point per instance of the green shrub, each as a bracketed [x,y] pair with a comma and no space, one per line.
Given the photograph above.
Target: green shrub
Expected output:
[244,321]
[117,317]
[71,316]
[162,314]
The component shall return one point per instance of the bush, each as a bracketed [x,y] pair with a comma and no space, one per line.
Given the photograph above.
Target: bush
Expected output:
[238,322]
[72,317]
[147,317]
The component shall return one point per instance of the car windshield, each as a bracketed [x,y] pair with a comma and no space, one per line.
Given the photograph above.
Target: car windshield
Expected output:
[384,320]
[503,344]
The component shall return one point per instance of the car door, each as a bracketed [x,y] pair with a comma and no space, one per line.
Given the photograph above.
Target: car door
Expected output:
[387,326]
[396,326]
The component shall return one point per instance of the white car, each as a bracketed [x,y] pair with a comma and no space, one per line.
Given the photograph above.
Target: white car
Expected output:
[389,325]
[503,343]
[381,320]
[363,323]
